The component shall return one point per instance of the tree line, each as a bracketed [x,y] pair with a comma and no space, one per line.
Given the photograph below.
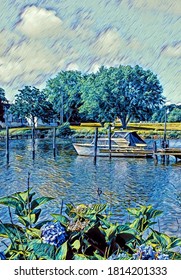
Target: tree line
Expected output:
[126,93]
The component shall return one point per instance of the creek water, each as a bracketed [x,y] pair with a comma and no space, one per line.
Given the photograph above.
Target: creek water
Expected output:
[123,182]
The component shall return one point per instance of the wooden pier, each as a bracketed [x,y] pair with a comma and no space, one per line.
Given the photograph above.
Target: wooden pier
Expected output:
[165,153]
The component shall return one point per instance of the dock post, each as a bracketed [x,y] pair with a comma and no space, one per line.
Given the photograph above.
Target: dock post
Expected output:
[109,137]
[7,144]
[167,156]
[154,152]
[33,140]
[54,142]
[163,147]
[95,144]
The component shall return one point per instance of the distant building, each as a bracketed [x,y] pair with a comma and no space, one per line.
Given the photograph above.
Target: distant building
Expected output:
[21,122]
[12,120]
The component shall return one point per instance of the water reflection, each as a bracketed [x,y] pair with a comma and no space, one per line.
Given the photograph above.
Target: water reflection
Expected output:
[71,178]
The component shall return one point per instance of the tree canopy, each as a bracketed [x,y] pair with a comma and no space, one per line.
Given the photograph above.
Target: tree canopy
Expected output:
[63,92]
[173,113]
[125,92]
[30,102]
[2,101]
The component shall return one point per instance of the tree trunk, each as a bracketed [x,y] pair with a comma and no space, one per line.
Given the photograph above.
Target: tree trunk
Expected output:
[124,122]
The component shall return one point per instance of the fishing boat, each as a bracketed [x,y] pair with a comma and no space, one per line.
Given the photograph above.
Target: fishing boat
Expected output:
[123,144]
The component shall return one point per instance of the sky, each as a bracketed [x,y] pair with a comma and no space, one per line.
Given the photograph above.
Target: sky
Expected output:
[39,38]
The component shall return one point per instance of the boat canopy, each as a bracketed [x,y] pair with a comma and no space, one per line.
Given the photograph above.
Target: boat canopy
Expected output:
[132,137]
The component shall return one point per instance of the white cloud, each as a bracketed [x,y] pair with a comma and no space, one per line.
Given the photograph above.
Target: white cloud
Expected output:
[172,51]
[38,23]
[72,66]
[108,43]
[29,62]
[94,68]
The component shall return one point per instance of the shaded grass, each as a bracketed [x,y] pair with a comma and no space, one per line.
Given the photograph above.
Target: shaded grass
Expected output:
[21,130]
[146,130]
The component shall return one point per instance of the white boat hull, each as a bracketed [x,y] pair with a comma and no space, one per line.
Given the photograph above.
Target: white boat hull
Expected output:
[88,150]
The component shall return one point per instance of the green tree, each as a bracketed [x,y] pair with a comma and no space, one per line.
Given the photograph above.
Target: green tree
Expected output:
[63,92]
[125,92]
[175,115]
[159,116]
[31,103]
[2,101]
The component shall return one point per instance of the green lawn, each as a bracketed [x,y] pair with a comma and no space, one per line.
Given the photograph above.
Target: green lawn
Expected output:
[143,129]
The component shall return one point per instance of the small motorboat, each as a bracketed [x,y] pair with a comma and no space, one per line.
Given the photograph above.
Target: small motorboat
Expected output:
[123,144]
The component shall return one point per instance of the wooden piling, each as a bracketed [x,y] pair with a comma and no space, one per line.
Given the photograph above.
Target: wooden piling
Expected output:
[109,139]
[33,141]
[95,144]
[54,142]
[167,156]
[7,144]
[155,151]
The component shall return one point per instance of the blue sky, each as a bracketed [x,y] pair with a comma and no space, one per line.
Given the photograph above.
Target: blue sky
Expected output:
[40,38]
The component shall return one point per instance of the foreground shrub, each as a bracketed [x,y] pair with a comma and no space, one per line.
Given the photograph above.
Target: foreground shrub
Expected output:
[84,232]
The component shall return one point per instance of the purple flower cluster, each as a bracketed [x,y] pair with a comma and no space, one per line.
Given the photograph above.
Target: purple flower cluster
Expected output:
[2,256]
[145,252]
[53,233]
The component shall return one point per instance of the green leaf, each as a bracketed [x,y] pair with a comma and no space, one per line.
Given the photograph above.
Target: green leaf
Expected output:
[62,219]
[68,209]
[31,218]
[161,239]
[34,232]
[24,196]
[62,251]
[151,213]
[11,202]
[97,256]
[96,208]
[9,230]
[111,232]
[134,211]
[43,250]
[175,243]
[39,201]
[80,257]
[76,245]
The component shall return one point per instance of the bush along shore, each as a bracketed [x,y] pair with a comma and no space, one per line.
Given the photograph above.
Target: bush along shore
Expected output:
[83,232]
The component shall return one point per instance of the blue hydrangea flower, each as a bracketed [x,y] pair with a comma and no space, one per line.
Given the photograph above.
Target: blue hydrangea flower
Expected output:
[161,256]
[145,252]
[119,256]
[2,256]
[53,233]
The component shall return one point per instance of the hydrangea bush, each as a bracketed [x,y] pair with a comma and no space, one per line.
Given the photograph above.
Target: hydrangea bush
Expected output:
[83,232]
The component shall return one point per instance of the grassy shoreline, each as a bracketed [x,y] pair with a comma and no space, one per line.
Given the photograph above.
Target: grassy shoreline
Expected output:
[146,130]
